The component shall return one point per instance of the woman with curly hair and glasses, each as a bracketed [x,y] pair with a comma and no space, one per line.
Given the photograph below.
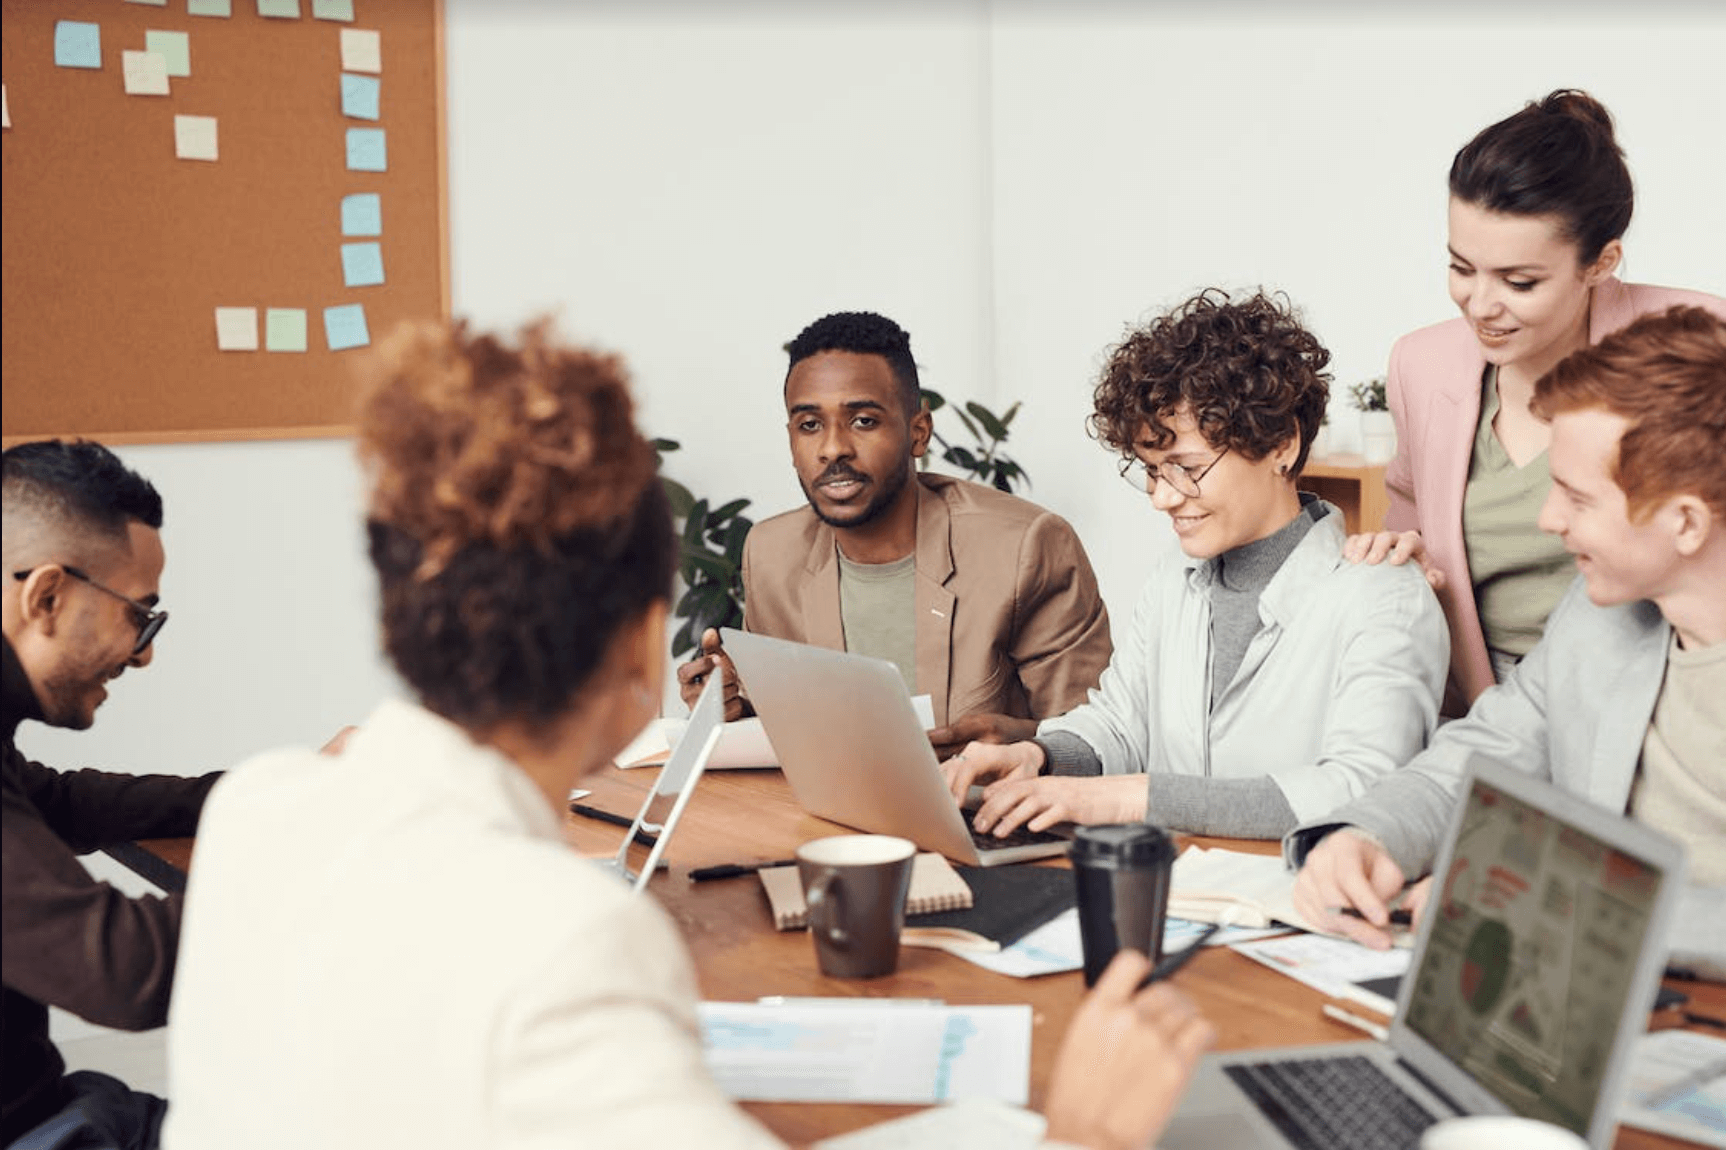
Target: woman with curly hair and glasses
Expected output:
[396,947]
[1264,679]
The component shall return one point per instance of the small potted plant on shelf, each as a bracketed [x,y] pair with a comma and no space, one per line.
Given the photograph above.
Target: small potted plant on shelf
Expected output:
[1377,432]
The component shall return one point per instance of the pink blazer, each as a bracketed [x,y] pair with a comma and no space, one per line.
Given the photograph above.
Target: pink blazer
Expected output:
[1434,392]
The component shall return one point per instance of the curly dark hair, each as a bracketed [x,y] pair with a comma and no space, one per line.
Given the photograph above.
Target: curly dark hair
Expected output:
[516,518]
[1248,372]
[864,333]
[1558,157]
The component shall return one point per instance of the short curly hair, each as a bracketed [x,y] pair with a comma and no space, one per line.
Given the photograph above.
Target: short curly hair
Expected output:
[862,333]
[516,518]
[1248,372]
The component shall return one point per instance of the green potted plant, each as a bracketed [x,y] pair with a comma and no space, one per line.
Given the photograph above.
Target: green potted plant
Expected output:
[710,559]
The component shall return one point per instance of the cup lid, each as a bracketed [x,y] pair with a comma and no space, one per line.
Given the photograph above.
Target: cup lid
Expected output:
[1122,845]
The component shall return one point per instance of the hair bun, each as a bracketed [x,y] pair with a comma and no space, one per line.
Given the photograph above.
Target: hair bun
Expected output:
[1579,105]
[470,440]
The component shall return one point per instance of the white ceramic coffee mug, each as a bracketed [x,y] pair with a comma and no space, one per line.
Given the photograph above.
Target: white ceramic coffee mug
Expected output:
[1499,1132]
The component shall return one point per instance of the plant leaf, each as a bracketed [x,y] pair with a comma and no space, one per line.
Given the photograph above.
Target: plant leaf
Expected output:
[959,457]
[679,496]
[987,418]
[933,399]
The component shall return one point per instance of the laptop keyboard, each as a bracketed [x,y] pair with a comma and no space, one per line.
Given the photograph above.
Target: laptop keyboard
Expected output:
[1018,837]
[1345,1103]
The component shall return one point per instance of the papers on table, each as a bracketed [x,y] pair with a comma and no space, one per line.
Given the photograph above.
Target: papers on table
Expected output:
[1336,966]
[1055,947]
[867,1050]
[1678,1086]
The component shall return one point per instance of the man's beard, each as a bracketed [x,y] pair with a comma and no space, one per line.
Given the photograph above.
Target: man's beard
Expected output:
[886,491]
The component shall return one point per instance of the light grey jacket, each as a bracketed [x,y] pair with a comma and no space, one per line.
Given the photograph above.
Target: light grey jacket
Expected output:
[1340,686]
[1574,713]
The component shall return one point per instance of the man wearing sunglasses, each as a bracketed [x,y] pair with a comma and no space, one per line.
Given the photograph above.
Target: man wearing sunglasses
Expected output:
[83,558]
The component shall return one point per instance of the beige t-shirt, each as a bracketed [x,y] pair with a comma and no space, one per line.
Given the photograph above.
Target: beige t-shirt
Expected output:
[1519,571]
[878,610]
[1680,786]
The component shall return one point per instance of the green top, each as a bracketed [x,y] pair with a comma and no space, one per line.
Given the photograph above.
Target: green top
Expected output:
[878,609]
[1520,572]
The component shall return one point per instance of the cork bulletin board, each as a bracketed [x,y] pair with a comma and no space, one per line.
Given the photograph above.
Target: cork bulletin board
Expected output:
[153,293]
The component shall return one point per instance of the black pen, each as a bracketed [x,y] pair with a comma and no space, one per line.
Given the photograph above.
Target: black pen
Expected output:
[1399,916]
[1173,962]
[595,813]
[735,870]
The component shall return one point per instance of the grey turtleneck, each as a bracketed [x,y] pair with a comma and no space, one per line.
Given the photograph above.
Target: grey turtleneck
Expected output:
[1232,808]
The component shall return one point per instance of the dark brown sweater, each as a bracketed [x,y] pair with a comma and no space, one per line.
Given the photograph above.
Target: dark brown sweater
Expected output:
[69,940]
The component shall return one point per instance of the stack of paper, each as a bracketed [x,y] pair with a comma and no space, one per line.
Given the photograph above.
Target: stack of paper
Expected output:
[867,1050]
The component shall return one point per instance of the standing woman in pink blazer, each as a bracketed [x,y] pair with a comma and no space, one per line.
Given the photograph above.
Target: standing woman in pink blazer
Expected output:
[1539,203]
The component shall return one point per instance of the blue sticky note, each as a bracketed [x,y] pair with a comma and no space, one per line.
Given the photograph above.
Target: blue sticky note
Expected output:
[362,265]
[360,96]
[333,10]
[279,9]
[362,215]
[345,326]
[77,45]
[222,8]
[366,150]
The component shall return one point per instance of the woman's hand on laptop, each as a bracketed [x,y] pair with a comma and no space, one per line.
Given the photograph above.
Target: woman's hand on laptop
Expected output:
[981,763]
[1038,804]
[1125,1060]
[1346,885]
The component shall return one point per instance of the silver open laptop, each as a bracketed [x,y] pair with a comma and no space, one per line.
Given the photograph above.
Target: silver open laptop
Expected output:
[853,751]
[1533,974]
[664,805]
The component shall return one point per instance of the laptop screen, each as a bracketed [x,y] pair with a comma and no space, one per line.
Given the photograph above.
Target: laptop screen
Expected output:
[1528,968]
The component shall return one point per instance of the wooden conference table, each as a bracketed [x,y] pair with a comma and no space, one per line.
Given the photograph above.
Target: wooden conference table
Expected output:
[747,816]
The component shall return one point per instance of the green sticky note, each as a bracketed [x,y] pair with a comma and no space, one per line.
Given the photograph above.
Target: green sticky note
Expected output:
[222,8]
[174,47]
[333,10]
[77,45]
[285,329]
[280,10]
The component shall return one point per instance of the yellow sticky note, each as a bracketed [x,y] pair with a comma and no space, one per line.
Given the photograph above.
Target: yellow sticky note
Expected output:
[237,329]
[195,137]
[362,50]
[144,73]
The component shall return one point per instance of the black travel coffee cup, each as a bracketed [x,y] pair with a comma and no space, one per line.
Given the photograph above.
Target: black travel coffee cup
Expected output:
[1123,875]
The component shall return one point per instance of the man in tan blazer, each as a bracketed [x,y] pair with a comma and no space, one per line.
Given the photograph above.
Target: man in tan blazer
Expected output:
[986,602]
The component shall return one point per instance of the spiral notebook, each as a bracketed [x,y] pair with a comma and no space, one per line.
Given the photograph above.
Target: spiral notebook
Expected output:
[935,885]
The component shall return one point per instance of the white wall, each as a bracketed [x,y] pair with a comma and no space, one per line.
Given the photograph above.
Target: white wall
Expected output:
[691,184]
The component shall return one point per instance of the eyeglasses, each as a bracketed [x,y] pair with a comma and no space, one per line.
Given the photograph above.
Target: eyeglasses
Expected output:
[1184,479]
[148,620]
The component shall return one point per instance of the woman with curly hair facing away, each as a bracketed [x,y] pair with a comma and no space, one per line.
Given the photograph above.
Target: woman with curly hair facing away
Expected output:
[396,947]
[1539,204]
[1264,680]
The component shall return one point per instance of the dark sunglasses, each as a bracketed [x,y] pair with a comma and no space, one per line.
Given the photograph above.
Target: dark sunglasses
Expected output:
[148,619]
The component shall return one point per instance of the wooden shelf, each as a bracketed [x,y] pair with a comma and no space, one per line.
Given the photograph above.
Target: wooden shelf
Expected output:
[1354,485]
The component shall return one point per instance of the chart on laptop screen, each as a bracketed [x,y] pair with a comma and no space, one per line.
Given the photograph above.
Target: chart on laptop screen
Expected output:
[1533,948]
